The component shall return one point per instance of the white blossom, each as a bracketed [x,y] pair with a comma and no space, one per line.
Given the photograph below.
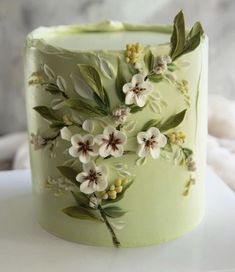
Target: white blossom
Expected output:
[151,142]
[37,141]
[93,178]
[120,114]
[161,66]
[137,91]
[111,142]
[83,147]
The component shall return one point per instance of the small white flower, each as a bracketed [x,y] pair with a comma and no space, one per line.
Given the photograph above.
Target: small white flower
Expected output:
[120,114]
[151,142]
[111,142]
[93,178]
[83,147]
[137,90]
[37,141]
[161,66]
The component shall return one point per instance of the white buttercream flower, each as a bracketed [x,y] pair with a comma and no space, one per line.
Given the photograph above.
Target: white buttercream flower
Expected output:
[137,90]
[37,141]
[151,142]
[120,114]
[83,147]
[93,178]
[111,142]
[161,66]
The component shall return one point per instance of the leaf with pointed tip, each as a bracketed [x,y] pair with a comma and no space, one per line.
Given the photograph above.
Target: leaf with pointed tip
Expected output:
[46,113]
[81,213]
[61,83]
[92,78]
[106,68]
[192,43]
[69,173]
[149,124]
[149,60]
[197,28]
[172,121]
[178,36]
[113,211]
[48,71]
[120,82]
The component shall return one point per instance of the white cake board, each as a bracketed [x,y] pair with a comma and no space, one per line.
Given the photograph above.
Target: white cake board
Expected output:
[26,247]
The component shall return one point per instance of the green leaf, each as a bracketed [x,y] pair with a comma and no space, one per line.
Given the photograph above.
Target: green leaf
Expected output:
[120,82]
[120,195]
[149,124]
[187,152]
[113,211]
[106,68]
[178,36]
[92,78]
[51,88]
[81,213]
[106,99]
[172,121]
[197,28]
[46,113]
[149,60]
[155,78]
[82,107]
[69,173]
[135,108]
[57,124]
[192,43]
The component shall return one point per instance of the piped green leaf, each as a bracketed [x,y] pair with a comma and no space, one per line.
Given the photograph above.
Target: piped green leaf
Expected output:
[172,121]
[68,173]
[149,124]
[113,211]
[178,36]
[120,81]
[81,213]
[46,113]
[92,78]
[197,28]
[149,60]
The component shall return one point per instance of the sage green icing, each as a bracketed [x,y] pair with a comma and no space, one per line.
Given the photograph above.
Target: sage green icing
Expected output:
[156,209]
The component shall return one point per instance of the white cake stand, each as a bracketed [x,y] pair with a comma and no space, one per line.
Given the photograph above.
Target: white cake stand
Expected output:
[26,247]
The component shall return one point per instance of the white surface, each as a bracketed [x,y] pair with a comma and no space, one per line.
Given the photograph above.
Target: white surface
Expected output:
[26,247]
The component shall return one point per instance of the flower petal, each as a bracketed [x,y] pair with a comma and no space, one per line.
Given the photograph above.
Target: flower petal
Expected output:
[99,139]
[142,151]
[73,151]
[105,150]
[162,140]
[117,152]
[141,137]
[140,100]
[88,138]
[147,86]
[137,79]
[153,132]
[84,157]
[127,87]
[75,139]
[155,152]
[81,177]
[103,170]
[66,133]
[107,131]
[121,136]
[101,184]
[90,166]
[129,98]
[88,125]
[87,188]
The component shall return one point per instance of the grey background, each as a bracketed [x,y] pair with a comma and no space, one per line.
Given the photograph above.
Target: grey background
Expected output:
[18,17]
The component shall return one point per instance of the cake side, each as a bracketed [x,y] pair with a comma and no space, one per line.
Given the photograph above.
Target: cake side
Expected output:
[120,138]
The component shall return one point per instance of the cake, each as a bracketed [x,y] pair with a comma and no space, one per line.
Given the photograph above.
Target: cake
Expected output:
[117,124]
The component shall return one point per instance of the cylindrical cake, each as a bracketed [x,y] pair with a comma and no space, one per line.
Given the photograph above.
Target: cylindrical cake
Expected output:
[117,123]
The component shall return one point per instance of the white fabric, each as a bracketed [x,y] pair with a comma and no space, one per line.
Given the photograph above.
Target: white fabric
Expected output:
[221,142]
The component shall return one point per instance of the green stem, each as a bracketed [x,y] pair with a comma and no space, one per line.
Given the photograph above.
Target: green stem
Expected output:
[116,242]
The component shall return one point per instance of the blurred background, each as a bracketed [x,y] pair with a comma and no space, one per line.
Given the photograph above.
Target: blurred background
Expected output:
[18,17]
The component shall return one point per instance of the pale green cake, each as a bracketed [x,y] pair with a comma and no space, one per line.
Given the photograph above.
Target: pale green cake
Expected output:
[117,122]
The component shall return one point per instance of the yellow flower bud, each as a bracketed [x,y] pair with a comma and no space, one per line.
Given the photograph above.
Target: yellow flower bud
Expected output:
[112,187]
[128,46]
[112,194]
[118,182]
[128,53]
[118,189]
[127,59]
[105,196]
[124,181]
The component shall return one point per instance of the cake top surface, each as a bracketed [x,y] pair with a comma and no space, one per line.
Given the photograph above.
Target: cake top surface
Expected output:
[108,35]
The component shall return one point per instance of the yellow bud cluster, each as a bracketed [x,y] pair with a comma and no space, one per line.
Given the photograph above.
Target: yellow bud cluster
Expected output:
[114,189]
[132,52]
[177,137]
